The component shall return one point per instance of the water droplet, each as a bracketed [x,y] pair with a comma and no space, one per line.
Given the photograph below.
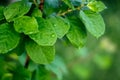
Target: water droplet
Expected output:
[53,35]
[55,25]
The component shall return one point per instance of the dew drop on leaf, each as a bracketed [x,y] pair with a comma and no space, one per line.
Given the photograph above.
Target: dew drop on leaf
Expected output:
[53,35]
[55,25]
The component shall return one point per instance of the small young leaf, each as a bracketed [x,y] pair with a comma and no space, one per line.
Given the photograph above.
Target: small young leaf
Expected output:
[40,54]
[26,25]
[77,33]
[93,22]
[60,25]
[96,6]
[46,35]
[1,13]
[16,9]
[9,39]
[36,13]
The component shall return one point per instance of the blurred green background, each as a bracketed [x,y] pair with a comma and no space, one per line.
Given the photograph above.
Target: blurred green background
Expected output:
[98,60]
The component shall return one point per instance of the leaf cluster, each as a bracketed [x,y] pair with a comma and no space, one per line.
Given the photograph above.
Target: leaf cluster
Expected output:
[25,26]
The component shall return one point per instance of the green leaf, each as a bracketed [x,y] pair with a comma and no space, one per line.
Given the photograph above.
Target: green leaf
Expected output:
[46,35]
[20,47]
[36,13]
[69,3]
[32,66]
[96,6]
[58,67]
[60,25]
[16,9]
[1,13]
[51,6]
[21,73]
[9,39]
[3,70]
[26,25]
[42,74]
[7,76]
[40,54]
[76,2]
[77,33]
[53,3]
[93,22]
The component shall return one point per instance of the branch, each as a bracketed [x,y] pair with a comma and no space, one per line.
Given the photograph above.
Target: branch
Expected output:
[41,5]
[70,10]
[35,3]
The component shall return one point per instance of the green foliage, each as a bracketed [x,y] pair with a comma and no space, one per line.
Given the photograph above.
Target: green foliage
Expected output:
[60,25]
[77,33]
[93,22]
[7,76]
[69,3]
[58,67]
[42,74]
[9,39]
[1,12]
[40,54]
[36,13]
[33,28]
[12,70]
[50,7]
[16,10]
[96,6]
[29,28]
[46,35]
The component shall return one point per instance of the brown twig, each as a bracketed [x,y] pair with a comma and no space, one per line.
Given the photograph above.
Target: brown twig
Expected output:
[35,3]
[27,61]
[41,5]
